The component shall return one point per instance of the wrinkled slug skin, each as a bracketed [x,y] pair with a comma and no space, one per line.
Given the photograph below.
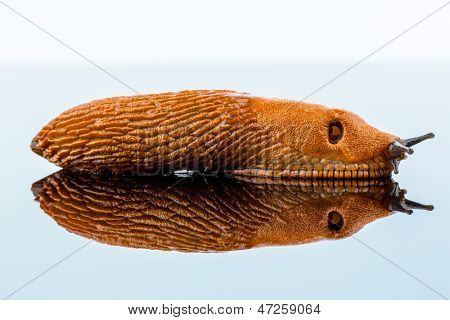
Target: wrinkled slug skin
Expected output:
[195,216]
[211,131]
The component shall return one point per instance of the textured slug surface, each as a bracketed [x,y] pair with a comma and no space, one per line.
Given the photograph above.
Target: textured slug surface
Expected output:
[194,216]
[215,131]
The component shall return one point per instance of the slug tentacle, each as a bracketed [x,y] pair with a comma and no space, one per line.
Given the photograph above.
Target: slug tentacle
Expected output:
[219,131]
[397,150]
[413,141]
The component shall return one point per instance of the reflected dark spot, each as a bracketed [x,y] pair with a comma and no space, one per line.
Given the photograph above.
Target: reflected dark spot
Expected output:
[335,221]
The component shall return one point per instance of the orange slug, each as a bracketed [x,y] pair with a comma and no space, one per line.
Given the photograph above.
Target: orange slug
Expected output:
[216,215]
[214,131]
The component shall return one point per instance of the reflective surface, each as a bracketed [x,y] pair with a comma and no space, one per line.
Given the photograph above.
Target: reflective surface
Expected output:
[195,215]
[407,100]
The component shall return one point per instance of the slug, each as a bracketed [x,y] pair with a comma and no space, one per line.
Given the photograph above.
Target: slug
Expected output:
[214,216]
[219,132]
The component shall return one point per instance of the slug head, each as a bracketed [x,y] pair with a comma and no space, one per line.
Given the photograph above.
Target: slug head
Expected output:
[336,135]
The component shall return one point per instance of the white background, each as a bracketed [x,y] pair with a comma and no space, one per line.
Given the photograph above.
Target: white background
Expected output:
[132,32]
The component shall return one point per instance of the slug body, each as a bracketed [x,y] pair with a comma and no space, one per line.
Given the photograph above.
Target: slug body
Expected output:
[220,215]
[218,131]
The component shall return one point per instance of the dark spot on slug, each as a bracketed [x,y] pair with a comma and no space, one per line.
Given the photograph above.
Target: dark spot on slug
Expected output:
[335,132]
[335,221]
[35,147]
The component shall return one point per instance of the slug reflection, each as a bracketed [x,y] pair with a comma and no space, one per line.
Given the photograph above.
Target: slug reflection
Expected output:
[213,215]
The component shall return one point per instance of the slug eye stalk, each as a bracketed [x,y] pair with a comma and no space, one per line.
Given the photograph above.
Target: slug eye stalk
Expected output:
[413,141]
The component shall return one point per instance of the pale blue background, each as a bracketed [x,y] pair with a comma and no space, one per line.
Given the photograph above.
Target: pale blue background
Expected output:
[406,99]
